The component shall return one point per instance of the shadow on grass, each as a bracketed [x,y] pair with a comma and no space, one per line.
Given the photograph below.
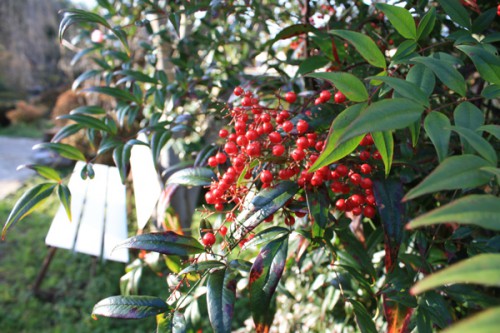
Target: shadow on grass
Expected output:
[70,287]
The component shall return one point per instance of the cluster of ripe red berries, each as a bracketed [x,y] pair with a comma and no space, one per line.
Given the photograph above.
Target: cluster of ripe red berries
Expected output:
[268,145]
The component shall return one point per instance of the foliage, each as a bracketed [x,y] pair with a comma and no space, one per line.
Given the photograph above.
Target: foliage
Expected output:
[390,118]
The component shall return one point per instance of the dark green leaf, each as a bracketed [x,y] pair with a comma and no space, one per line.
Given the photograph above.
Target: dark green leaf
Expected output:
[467,115]
[65,132]
[492,129]
[486,321]
[437,127]
[87,121]
[195,176]
[267,235]
[493,171]
[318,203]
[265,203]
[445,72]
[221,295]
[117,93]
[264,278]
[384,142]
[66,151]
[423,77]
[401,19]
[27,203]
[363,318]
[488,64]
[83,77]
[482,210]
[158,141]
[492,91]
[65,198]
[388,194]
[311,64]
[132,75]
[364,45]
[427,23]
[89,109]
[167,242]
[202,266]
[72,16]
[173,323]
[482,269]
[348,84]
[119,158]
[484,21]
[455,172]
[479,144]
[457,12]
[404,51]
[129,307]
[404,88]
[292,31]
[44,171]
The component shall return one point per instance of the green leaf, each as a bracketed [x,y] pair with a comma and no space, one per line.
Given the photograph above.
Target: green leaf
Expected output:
[173,323]
[384,115]
[87,121]
[478,143]
[486,321]
[445,72]
[129,307]
[89,109]
[477,209]
[492,129]
[264,278]
[27,203]
[121,158]
[311,64]
[364,45]
[332,151]
[117,93]
[384,142]
[195,176]
[404,88]
[427,23]
[494,171]
[404,51]
[65,198]
[167,242]
[348,84]
[267,235]
[44,171]
[65,132]
[221,295]
[158,141]
[265,203]
[423,77]
[202,266]
[492,91]
[292,31]
[484,21]
[401,19]
[437,127]
[388,194]
[483,269]
[488,64]
[457,12]
[363,318]
[455,172]
[66,151]
[467,115]
[318,203]
[131,75]
[84,76]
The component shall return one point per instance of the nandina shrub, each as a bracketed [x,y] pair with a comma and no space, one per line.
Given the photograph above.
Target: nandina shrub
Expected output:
[318,182]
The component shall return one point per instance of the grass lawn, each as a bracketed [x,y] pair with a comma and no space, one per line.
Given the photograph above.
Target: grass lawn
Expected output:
[27,130]
[72,288]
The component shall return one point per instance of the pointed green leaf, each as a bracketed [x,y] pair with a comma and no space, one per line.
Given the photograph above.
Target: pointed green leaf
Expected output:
[202,266]
[131,75]
[318,203]
[89,109]
[129,307]
[348,84]
[65,132]
[87,121]
[267,235]
[384,142]
[364,45]
[455,172]
[44,171]
[158,141]
[404,88]
[423,77]
[437,127]
[85,76]
[484,21]
[332,151]
[172,323]
[482,210]
[265,203]
[486,321]
[66,151]
[64,195]
[482,269]
[119,158]
[404,52]
[491,129]
[478,143]
[363,318]
[311,64]
[467,115]
[221,295]
[488,64]
[457,12]
[164,242]
[117,93]
[492,91]
[445,72]
[27,203]
[384,115]
[427,23]
[401,19]
[264,278]
[494,171]
[292,31]
[195,176]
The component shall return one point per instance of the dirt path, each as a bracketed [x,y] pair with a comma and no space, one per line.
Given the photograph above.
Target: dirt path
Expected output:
[14,152]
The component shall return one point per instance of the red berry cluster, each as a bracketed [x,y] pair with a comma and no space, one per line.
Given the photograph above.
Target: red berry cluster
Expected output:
[265,146]
[498,10]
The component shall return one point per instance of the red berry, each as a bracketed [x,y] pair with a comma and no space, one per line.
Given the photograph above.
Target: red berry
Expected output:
[366,168]
[208,239]
[357,199]
[370,199]
[298,154]
[340,204]
[219,206]
[376,155]
[275,137]
[325,96]
[223,133]
[355,178]
[318,101]
[302,126]
[366,183]
[364,155]
[290,97]
[290,220]
[212,161]
[356,211]
[252,135]
[287,126]
[231,148]
[317,179]
[302,142]
[238,91]
[221,158]
[270,218]
[339,97]
[278,149]
[242,141]
[223,230]
[253,149]
[342,170]
[266,177]
[369,211]
[246,101]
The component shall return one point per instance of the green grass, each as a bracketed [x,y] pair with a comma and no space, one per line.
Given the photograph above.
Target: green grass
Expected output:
[27,130]
[72,288]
